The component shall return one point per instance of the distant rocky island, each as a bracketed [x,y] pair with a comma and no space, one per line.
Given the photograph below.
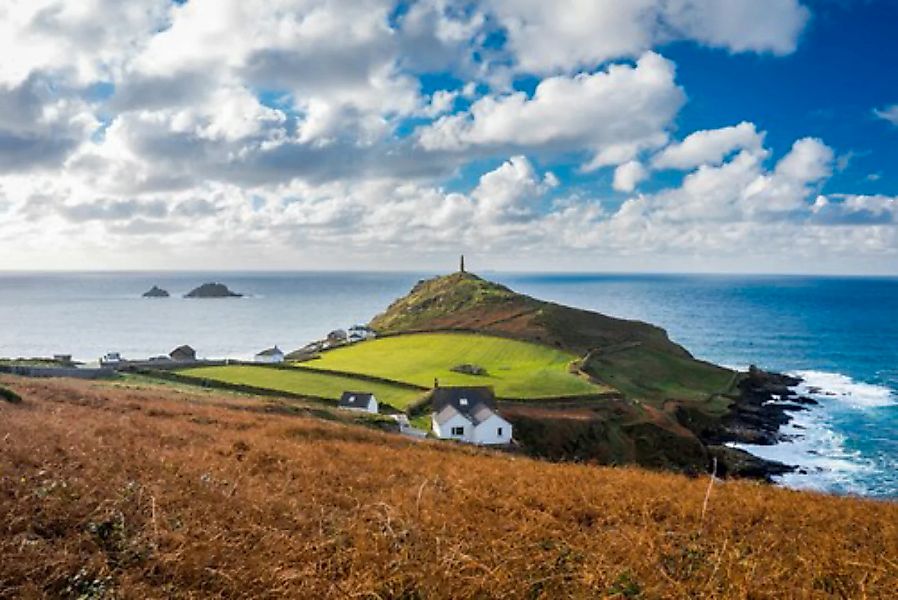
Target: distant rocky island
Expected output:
[156,292]
[212,290]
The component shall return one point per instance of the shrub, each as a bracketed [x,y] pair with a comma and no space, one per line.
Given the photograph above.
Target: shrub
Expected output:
[9,395]
[469,369]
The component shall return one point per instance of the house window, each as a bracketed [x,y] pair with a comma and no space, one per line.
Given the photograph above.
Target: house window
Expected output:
[463,401]
[458,431]
[499,432]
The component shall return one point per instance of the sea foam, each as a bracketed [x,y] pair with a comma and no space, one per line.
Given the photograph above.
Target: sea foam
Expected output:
[823,456]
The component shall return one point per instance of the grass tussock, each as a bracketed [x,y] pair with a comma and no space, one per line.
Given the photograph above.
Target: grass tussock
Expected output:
[115,492]
[10,396]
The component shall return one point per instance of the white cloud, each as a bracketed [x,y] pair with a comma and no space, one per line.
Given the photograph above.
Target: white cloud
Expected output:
[843,209]
[38,128]
[889,113]
[613,113]
[709,147]
[83,41]
[547,37]
[628,175]
[276,130]
[743,190]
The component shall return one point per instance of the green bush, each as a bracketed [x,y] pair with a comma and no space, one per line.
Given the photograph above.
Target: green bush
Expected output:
[9,395]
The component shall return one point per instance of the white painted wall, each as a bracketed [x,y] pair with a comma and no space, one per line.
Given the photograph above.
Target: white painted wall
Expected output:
[444,431]
[488,431]
[270,359]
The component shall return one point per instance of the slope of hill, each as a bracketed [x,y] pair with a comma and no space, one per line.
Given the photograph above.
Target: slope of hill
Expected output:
[516,369]
[671,405]
[115,491]
[638,356]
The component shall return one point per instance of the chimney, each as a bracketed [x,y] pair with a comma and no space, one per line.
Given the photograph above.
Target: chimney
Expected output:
[436,383]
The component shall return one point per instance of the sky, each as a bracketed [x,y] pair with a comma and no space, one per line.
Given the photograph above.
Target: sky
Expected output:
[735,136]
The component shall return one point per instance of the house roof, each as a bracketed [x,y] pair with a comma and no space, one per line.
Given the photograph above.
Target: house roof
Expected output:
[270,352]
[355,399]
[476,404]
[447,413]
[463,398]
[183,352]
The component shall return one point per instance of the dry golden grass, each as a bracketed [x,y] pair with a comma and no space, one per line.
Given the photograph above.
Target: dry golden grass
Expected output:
[160,494]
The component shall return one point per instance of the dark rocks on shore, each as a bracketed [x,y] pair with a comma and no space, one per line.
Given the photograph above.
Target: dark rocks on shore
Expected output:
[212,290]
[156,292]
[760,407]
[733,462]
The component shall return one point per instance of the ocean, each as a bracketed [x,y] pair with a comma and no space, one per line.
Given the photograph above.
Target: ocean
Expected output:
[839,333]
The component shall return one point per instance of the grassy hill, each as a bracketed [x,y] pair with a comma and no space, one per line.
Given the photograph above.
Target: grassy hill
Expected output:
[109,490]
[637,358]
[669,402]
[516,369]
[305,382]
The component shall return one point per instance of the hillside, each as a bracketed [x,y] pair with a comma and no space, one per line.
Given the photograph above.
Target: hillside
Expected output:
[112,490]
[636,357]
[514,368]
[670,406]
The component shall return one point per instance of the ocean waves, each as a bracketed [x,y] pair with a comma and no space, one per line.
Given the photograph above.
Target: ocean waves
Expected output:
[831,443]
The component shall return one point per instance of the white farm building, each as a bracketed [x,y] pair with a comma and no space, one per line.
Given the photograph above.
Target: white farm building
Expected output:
[468,414]
[270,356]
[360,401]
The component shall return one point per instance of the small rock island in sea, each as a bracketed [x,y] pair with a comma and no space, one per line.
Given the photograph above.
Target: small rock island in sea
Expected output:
[156,292]
[212,290]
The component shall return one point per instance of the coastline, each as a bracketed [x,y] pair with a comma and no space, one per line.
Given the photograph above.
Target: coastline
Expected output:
[764,406]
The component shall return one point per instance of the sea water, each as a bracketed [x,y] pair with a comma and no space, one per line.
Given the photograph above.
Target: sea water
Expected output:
[839,334]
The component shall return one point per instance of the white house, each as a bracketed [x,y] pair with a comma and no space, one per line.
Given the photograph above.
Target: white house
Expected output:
[468,414]
[358,333]
[111,358]
[270,356]
[360,401]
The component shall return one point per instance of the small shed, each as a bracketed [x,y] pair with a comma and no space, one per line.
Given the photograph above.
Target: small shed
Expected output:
[183,353]
[270,356]
[360,401]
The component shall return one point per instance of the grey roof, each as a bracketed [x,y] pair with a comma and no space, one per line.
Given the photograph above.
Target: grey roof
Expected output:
[481,413]
[182,352]
[477,404]
[270,352]
[447,413]
[355,399]
[463,398]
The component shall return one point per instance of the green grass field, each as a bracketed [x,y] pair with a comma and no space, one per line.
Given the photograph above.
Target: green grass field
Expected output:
[655,377]
[303,381]
[515,369]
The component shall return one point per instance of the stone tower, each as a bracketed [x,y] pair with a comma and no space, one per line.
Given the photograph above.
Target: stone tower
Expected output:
[461,266]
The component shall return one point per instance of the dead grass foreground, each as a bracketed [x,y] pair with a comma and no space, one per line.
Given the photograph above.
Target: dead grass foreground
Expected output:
[108,492]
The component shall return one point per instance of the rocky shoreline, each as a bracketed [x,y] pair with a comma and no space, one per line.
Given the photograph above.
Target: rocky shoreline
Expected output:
[761,407]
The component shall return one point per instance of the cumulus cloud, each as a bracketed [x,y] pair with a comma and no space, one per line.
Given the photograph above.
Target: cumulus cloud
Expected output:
[843,209]
[613,113]
[276,130]
[628,175]
[37,127]
[82,41]
[709,147]
[557,36]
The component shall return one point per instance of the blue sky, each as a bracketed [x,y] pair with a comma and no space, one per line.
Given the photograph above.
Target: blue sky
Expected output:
[598,135]
[845,65]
